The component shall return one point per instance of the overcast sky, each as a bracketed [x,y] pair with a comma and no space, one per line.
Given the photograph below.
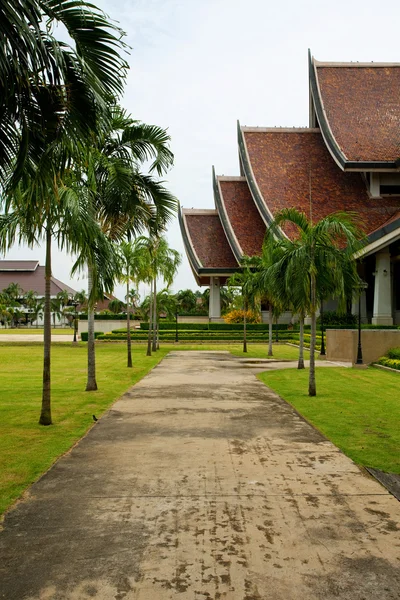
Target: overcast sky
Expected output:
[197,66]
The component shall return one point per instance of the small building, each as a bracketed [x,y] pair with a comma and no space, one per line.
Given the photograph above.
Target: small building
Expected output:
[348,159]
[30,276]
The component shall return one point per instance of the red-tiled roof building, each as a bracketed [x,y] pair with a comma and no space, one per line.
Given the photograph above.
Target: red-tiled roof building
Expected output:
[348,159]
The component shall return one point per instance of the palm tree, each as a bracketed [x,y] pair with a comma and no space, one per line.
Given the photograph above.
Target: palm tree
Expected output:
[164,265]
[14,292]
[67,219]
[246,279]
[187,300]
[132,270]
[123,199]
[116,306]
[49,88]
[320,257]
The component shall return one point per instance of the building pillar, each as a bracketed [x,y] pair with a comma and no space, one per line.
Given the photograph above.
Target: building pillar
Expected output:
[382,293]
[214,309]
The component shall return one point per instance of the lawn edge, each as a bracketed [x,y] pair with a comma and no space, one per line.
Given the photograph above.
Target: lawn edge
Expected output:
[362,468]
[26,492]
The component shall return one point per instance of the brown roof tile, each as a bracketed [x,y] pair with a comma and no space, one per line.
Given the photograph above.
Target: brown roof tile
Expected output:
[208,240]
[281,163]
[243,216]
[362,106]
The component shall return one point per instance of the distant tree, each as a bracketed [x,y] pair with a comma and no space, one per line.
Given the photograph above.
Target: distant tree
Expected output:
[116,306]
[187,300]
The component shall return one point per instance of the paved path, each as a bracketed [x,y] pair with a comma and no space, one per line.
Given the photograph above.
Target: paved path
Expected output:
[34,337]
[201,484]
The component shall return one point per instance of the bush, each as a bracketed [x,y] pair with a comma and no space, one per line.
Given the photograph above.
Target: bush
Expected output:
[393,363]
[394,353]
[237,316]
[84,335]
[331,317]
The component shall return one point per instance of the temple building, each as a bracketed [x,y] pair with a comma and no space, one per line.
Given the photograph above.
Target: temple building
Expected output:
[348,159]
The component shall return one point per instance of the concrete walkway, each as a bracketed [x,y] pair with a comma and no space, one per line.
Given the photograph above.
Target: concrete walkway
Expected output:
[201,484]
[34,337]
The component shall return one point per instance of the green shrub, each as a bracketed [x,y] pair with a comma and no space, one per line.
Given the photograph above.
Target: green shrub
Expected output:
[171,325]
[84,335]
[394,353]
[393,363]
[332,317]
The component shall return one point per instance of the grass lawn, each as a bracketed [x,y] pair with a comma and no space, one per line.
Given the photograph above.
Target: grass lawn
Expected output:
[33,331]
[280,351]
[358,410]
[28,449]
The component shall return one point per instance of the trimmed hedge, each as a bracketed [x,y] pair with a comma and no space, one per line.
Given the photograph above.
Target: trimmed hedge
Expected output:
[215,326]
[119,317]
[84,335]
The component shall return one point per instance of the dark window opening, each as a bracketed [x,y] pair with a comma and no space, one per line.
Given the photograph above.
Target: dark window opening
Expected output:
[391,190]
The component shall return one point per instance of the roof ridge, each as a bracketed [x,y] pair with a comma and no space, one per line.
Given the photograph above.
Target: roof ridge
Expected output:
[334,64]
[245,129]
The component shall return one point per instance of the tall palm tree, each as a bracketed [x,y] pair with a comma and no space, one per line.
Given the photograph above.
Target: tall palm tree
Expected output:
[320,257]
[124,200]
[68,220]
[132,270]
[47,87]
[164,265]
[246,279]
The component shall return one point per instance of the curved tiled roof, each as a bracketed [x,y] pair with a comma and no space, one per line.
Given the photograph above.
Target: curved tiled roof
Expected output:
[240,218]
[205,242]
[282,165]
[358,109]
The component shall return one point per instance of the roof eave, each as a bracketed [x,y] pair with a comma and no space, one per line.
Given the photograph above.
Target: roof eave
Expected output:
[251,181]
[223,215]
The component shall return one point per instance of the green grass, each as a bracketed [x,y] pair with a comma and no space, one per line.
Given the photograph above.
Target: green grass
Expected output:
[28,449]
[33,331]
[358,410]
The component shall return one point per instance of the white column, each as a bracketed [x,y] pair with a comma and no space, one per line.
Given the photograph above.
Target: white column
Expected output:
[214,310]
[382,292]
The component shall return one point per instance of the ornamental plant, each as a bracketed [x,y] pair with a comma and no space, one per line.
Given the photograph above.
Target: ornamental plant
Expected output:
[237,316]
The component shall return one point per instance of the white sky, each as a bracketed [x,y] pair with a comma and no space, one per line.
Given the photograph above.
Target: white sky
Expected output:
[199,65]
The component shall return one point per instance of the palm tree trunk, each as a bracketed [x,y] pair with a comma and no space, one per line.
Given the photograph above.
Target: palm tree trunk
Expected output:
[128,326]
[300,364]
[244,329]
[158,336]
[45,415]
[154,348]
[312,390]
[150,320]
[91,384]
[270,322]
